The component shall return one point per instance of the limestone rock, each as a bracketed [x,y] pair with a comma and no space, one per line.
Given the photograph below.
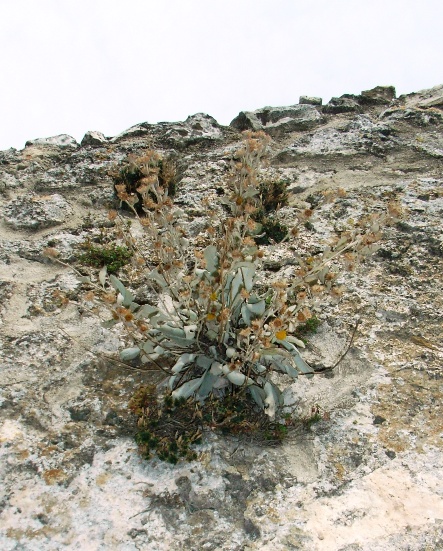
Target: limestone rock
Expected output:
[432,102]
[34,212]
[413,116]
[361,134]
[278,121]
[247,120]
[308,100]
[92,137]
[344,104]
[198,128]
[424,99]
[379,95]
[62,140]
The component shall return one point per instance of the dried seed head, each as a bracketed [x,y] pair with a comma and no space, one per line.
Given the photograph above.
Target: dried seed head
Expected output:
[109,298]
[301,316]
[50,252]
[317,289]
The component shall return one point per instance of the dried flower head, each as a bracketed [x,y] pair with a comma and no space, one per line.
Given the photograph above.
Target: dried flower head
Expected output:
[50,252]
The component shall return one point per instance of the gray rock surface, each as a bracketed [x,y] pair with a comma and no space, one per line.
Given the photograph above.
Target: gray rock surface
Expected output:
[198,128]
[34,212]
[277,121]
[344,104]
[92,137]
[309,100]
[62,140]
[366,477]
[379,95]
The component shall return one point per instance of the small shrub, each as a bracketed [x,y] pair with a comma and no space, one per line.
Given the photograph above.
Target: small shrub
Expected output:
[272,231]
[133,182]
[272,196]
[313,419]
[170,429]
[167,428]
[217,334]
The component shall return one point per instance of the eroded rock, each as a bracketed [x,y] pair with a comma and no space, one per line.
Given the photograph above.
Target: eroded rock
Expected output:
[62,140]
[278,121]
[34,212]
[92,137]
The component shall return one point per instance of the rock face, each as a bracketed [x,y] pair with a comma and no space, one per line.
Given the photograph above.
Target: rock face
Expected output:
[367,476]
[33,212]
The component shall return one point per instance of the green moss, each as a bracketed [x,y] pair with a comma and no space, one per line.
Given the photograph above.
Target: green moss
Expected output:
[113,256]
[310,327]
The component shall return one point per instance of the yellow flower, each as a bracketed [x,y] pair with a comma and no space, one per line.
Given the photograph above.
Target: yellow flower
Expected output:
[210,317]
[281,335]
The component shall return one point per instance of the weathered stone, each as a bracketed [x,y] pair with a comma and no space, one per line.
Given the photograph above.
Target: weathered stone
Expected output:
[360,135]
[62,140]
[278,121]
[92,137]
[136,131]
[308,100]
[344,104]
[198,128]
[431,102]
[413,116]
[379,95]
[246,120]
[33,212]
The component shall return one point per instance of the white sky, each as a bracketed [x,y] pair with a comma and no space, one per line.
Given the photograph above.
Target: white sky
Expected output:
[68,66]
